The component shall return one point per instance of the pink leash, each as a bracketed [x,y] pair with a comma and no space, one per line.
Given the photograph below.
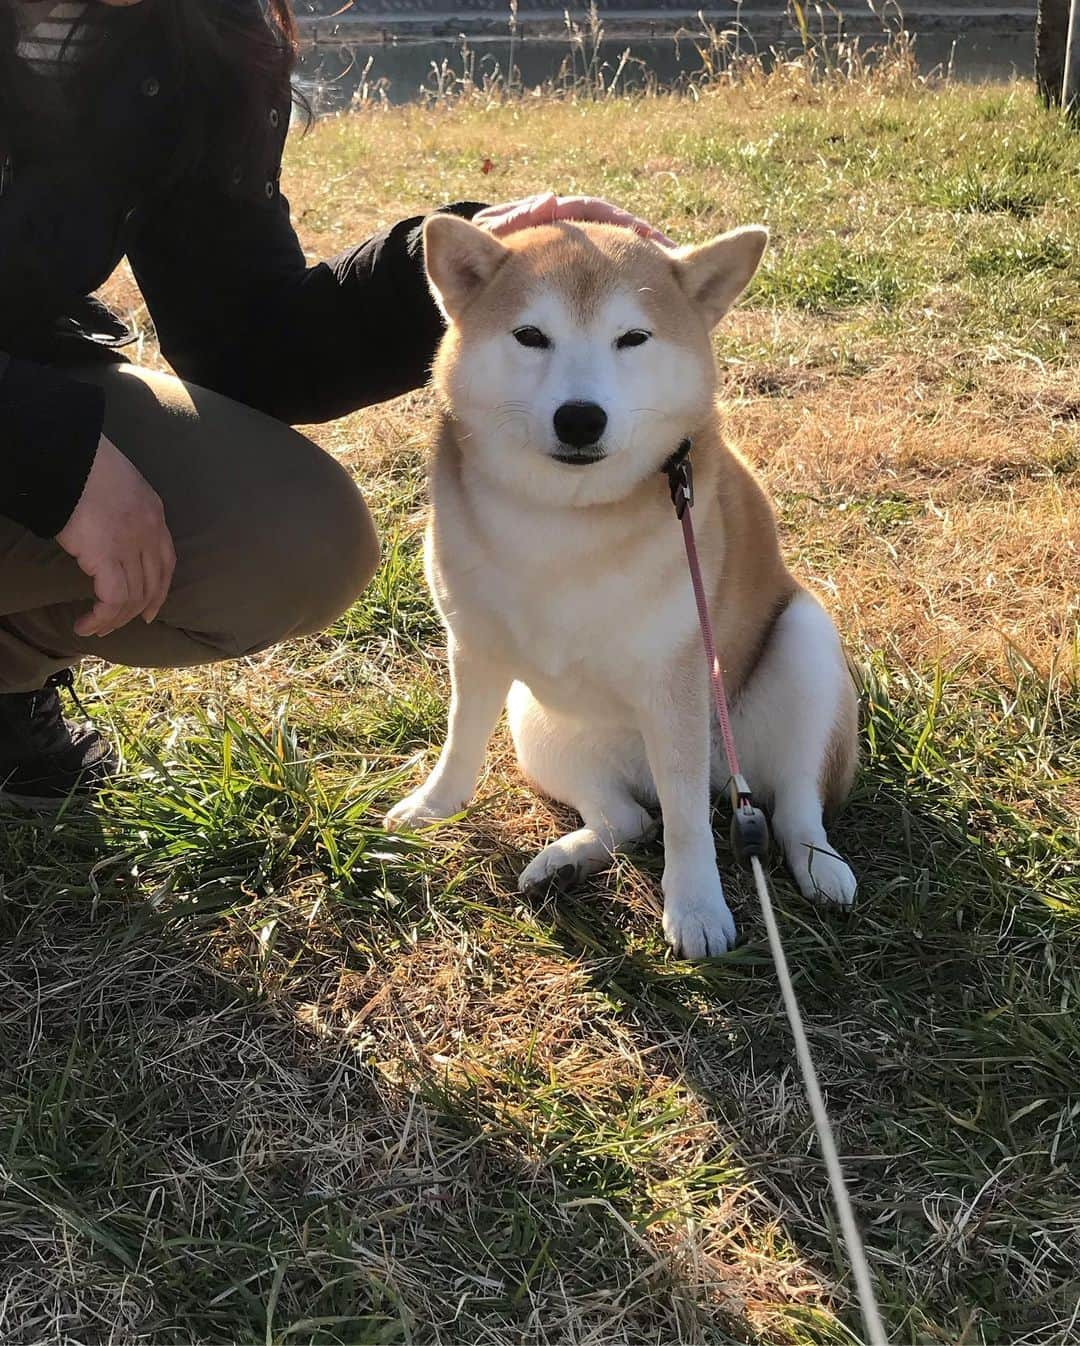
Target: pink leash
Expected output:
[750,842]
[749,830]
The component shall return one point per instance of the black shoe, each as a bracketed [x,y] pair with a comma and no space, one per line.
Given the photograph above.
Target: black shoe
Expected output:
[43,757]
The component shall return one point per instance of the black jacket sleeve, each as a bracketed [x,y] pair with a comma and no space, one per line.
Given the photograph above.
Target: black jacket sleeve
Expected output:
[49,424]
[238,309]
[49,430]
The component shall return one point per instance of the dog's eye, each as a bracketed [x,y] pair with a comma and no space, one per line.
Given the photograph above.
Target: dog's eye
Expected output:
[531,337]
[636,337]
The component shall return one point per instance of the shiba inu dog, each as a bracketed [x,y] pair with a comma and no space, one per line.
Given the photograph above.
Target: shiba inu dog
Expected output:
[576,360]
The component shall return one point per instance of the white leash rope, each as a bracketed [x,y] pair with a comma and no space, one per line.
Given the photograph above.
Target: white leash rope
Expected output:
[875,1332]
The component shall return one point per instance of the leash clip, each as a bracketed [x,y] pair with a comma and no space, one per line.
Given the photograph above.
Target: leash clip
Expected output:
[749,828]
[681,483]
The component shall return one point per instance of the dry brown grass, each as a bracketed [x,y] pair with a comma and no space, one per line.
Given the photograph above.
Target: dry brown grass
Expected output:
[982,550]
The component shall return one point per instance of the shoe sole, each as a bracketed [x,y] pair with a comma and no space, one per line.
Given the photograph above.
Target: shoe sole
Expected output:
[82,792]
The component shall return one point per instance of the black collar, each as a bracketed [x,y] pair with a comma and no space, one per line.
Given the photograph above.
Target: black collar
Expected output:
[680,476]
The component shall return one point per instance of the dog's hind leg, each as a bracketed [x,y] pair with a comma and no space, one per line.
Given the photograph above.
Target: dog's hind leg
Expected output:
[795,727]
[594,770]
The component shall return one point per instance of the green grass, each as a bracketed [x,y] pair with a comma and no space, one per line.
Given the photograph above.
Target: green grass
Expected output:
[272,1076]
[830,276]
[1022,258]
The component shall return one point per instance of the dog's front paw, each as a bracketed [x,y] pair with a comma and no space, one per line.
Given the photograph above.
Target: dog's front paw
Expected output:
[419,809]
[823,876]
[697,919]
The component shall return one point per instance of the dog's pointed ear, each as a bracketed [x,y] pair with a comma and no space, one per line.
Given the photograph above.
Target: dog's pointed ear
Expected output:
[716,273]
[460,258]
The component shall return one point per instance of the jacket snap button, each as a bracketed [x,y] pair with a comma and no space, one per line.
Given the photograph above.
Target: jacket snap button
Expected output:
[275,117]
[269,191]
[151,87]
[237,176]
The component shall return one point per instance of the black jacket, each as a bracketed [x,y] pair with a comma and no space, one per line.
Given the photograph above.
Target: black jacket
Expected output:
[236,307]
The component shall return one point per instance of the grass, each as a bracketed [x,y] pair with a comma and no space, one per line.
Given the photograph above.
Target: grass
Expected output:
[271,1076]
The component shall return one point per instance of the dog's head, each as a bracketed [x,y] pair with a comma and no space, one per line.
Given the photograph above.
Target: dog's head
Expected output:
[578,357]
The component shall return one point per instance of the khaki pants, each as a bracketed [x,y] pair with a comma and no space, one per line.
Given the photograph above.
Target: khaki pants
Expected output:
[272,539]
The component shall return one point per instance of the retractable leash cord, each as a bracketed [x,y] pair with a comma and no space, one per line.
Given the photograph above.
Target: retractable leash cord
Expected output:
[750,842]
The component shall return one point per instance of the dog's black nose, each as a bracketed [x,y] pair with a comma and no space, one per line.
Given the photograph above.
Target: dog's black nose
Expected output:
[580,424]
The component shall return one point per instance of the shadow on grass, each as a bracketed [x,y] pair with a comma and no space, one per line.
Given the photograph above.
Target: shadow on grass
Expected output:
[269,1075]
[188,1154]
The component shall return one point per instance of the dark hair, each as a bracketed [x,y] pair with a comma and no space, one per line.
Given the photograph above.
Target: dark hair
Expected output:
[230,57]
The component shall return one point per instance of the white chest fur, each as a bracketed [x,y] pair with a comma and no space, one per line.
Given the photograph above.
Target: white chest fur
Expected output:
[583,605]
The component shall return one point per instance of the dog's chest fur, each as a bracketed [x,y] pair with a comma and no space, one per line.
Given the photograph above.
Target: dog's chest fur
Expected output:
[587,607]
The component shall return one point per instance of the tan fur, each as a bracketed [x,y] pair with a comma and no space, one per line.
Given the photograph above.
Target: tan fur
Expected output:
[567,585]
[740,551]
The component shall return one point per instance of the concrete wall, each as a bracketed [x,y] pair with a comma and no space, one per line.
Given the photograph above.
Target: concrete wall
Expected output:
[369,10]
[768,22]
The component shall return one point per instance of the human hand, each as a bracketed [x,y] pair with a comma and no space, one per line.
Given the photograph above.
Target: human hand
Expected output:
[118,535]
[547,207]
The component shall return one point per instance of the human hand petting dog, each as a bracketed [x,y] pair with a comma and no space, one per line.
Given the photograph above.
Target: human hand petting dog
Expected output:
[546,208]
